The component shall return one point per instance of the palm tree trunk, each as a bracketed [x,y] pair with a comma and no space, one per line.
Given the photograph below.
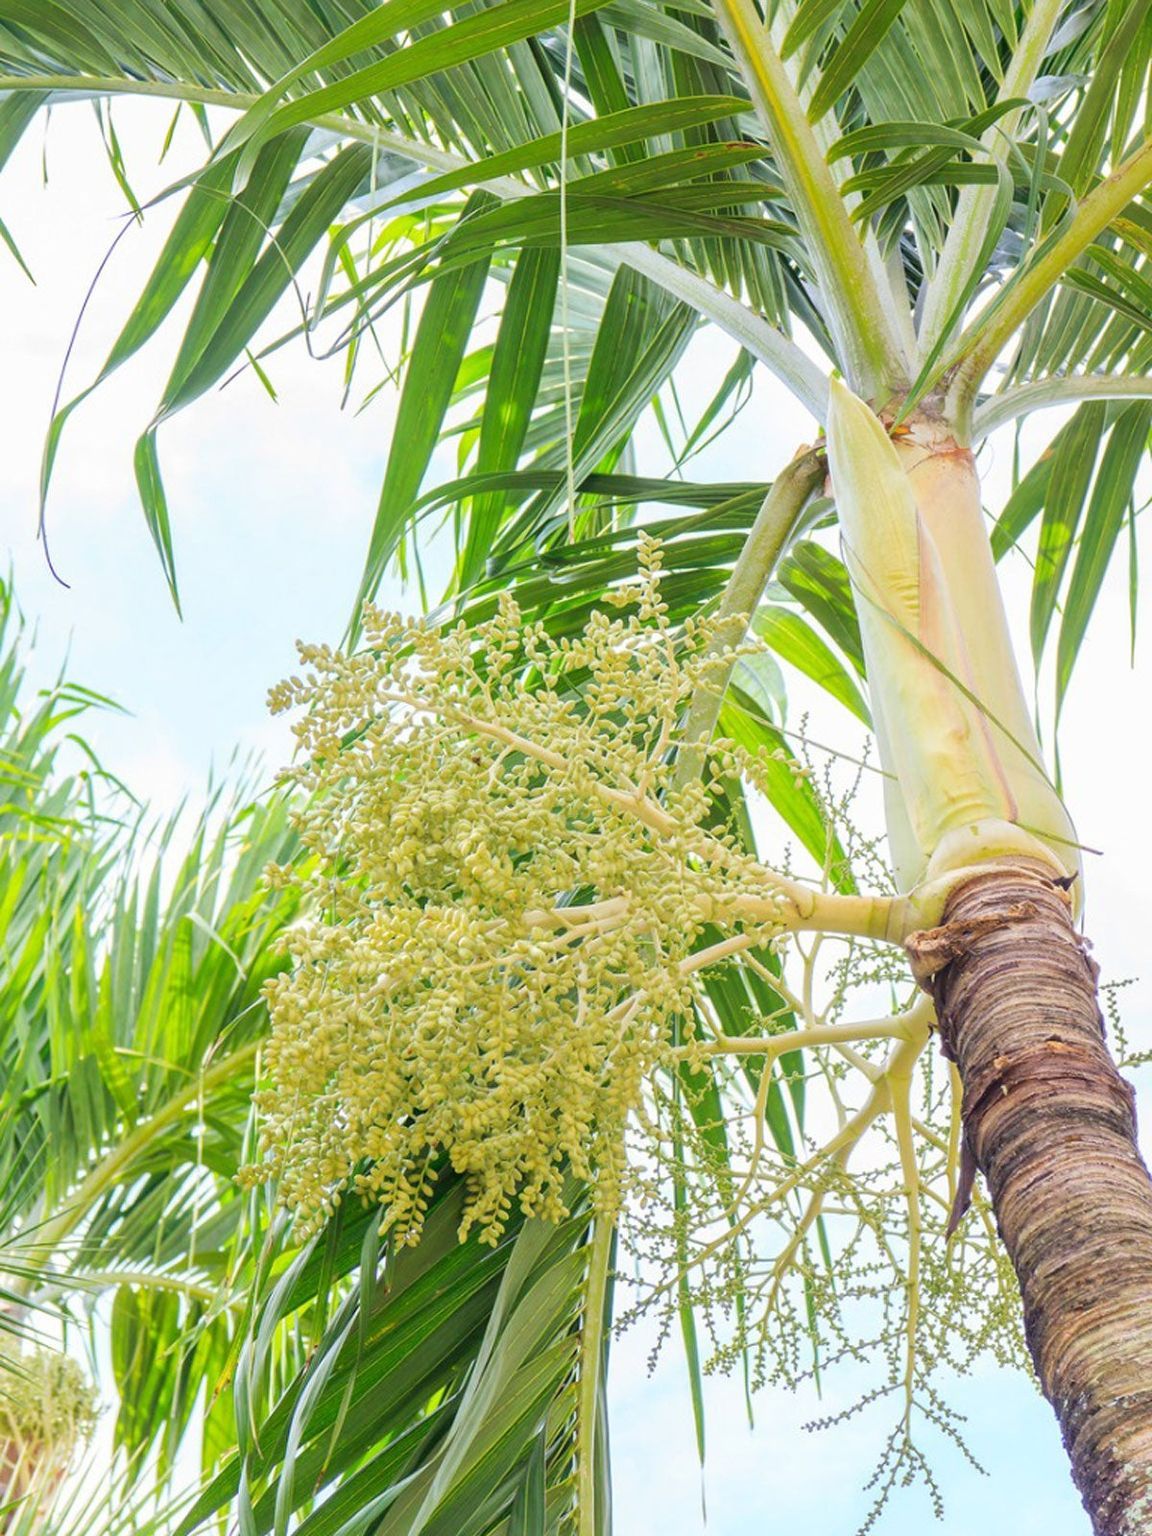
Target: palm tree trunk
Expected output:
[1048,1119]
[1051,1125]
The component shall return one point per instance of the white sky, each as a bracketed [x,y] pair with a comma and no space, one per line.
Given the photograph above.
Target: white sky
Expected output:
[271,507]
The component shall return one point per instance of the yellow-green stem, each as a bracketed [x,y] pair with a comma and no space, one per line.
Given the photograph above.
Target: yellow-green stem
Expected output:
[762,548]
[979,348]
[975,203]
[591,1366]
[866,345]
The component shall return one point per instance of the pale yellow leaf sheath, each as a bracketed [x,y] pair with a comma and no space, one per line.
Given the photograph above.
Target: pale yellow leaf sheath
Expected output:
[953,725]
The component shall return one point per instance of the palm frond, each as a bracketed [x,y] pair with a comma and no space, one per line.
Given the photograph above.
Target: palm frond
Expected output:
[440,1393]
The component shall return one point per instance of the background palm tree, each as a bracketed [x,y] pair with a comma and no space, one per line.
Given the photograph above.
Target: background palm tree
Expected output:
[131,1018]
[947,201]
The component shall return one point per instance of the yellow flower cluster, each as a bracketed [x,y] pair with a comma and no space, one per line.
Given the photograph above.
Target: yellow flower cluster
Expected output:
[47,1405]
[506,888]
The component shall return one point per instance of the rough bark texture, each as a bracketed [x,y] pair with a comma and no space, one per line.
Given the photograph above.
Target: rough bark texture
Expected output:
[1051,1125]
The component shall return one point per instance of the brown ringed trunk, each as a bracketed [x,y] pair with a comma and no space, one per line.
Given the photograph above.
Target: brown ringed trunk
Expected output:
[1051,1125]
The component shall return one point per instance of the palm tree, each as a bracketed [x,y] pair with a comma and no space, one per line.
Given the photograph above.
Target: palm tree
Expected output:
[130,978]
[944,206]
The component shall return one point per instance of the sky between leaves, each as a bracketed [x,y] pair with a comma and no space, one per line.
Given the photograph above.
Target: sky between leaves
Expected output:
[271,506]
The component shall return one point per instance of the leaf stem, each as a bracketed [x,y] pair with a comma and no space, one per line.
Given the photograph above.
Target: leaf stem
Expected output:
[591,1369]
[975,204]
[741,597]
[1000,409]
[983,342]
[779,353]
[869,351]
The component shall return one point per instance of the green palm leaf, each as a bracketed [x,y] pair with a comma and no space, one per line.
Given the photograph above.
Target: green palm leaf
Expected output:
[947,204]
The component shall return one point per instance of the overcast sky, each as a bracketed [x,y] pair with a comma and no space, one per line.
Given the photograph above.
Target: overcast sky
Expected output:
[271,508]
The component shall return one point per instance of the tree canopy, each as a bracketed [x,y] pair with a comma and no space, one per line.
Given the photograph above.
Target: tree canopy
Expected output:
[945,205]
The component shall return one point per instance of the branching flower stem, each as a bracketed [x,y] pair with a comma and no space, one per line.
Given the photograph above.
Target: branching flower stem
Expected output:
[791,905]
[898,1028]
[911,1029]
[899,1076]
[451,814]
[832,1150]
[785,1259]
